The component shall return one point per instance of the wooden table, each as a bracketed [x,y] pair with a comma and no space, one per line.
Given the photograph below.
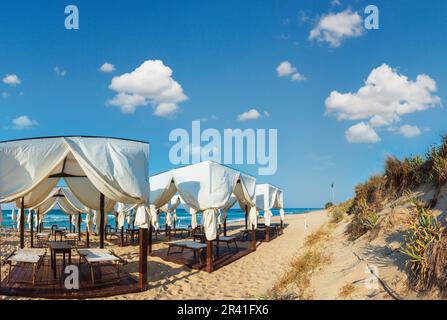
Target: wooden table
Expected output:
[59,248]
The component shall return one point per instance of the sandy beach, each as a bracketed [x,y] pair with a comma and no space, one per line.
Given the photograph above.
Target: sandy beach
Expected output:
[250,277]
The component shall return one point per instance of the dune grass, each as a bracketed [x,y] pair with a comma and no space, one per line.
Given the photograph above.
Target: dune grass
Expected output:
[295,283]
[346,291]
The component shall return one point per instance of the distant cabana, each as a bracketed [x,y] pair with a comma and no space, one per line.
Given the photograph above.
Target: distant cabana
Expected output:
[207,187]
[63,198]
[99,172]
[269,197]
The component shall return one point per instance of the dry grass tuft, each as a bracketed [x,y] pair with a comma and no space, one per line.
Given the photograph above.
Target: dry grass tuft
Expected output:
[339,212]
[295,283]
[317,237]
[346,291]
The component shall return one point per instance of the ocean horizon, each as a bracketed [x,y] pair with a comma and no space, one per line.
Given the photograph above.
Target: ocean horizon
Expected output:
[61,219]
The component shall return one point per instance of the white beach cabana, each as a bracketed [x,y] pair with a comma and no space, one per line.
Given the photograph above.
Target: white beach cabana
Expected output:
[63,198]
[269,197]
[99,171]
[207,187]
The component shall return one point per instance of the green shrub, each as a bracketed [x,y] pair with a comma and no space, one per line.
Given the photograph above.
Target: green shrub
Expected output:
[328,205]
[424,229]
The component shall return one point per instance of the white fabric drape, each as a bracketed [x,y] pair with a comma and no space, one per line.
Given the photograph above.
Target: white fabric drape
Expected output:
[209,222]
[269,197]
[205,186]
[143,217]
[28,218]
[267,217]
[13,214]
[253,217]
[116,168]
[193,218]
[121,219]
[74,220]
[19,218]
[89,221]
[155,218]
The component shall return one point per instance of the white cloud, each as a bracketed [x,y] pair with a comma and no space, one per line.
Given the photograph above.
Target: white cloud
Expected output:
[12,80]
[409,131]
[266,114]
[60,72]
[385,97]
[23,122]
[166,110]
[6,94]
[285,69]
[298,77]
[334,27]
[362,133]
[149,84]
[251,114]
[107,67]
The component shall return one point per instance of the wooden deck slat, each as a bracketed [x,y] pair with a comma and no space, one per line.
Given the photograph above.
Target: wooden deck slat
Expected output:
[226,256]
[50,288]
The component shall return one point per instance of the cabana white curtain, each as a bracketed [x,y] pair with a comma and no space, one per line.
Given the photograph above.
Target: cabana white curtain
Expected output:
[269,197]
[116,168]
[169,208]
[206,187]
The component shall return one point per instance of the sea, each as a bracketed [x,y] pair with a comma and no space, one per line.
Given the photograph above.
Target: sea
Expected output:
[59,218]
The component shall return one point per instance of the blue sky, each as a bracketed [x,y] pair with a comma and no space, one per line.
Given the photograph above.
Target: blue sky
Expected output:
[224,55]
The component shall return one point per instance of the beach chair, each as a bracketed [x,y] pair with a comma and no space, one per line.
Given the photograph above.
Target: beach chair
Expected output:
[228,240]
[100,257]
[43,239]
[24,257]
[72,239]
[195,247]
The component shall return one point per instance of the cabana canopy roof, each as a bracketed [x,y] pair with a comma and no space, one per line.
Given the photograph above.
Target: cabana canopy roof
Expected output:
[65,199]
[205,185]
[269,197]
[117,168]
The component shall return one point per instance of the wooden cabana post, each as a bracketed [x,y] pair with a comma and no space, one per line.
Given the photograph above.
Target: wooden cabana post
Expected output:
[31,228]
[253,231]
[38,220]
[225,226]
[22,224]
[267,233]
[101,222]
[150,239]
[88,238]
[79,226]
[209,256]
[142,262]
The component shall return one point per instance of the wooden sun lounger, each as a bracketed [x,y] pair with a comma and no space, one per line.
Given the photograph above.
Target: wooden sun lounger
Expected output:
[26,256]
[195,247]
[228,240]
[43,239]
[98,257]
